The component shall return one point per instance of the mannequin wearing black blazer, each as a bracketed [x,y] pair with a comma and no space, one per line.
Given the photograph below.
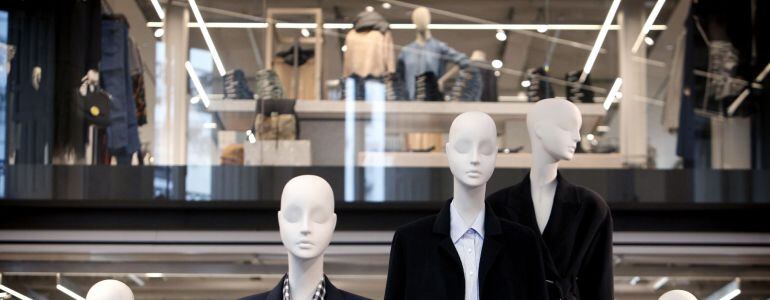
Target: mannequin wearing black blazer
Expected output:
[577,237]
[332,293]
[424,263]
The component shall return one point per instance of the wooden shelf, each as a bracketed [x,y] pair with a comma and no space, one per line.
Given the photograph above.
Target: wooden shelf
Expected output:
[512,160]
[401,116]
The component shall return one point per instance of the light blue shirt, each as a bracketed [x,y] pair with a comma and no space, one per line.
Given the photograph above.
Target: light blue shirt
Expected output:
[416,59]
[468,241]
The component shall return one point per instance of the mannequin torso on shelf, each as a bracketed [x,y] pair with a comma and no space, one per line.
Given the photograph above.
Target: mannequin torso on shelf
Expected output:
[306,223]
[110,290]
[465,251]
[425,54]
[574,222]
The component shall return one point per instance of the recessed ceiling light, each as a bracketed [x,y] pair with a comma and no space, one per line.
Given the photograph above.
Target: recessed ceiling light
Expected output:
[501,36]
[497,64]
[386,5]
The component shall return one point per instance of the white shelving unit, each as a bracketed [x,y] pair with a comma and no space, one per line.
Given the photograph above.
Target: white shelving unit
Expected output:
[512,160]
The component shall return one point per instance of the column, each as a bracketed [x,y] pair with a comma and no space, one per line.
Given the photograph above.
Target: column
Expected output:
[633,105]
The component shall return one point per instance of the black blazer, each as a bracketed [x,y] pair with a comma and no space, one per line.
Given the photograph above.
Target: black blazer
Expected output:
[424,263]
[578,237]
[332,293]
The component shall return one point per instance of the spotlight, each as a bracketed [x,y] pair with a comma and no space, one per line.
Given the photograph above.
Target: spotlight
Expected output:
[344,48]
[305,32]
[159,32]
[497,64]
[369,8]
[526,83]
[386,5]
[590,137]
[542,29]
[497,73]
[501,36]
[649,41]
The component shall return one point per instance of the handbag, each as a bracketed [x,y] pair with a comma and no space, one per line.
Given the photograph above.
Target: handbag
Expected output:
[93,105]
[276,120]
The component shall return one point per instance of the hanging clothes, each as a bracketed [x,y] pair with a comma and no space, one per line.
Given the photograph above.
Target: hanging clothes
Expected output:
[432,56]
[30,90]
[369,47]
[469,83]
[489,84]
[122,134]
[136,66]
[283,65]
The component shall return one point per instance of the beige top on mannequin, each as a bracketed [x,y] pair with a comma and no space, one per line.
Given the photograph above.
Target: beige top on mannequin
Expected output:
[554,131]
[306,222]
[110,290]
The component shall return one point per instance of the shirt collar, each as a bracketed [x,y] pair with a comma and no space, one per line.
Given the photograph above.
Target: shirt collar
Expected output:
[320,290]
[457,226]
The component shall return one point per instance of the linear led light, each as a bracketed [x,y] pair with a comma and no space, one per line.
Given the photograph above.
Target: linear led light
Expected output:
[648,25]
[613,93]
[207,38]
[158,9]
[69,292]
[732,294]
[745,93]
[198,86]
[600,40]
[406,26]
[14,293]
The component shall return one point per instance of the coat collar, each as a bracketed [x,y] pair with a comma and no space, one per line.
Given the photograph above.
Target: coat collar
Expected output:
[331,291]
[489,251]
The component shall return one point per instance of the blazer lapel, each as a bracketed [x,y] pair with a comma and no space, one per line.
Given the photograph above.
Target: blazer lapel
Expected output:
[491,247]
[332,293]
[522,207]
[277,292]
[441,227]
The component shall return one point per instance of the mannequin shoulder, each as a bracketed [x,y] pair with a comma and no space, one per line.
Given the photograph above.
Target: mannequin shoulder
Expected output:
[501,197]
[416,230]
[592,201]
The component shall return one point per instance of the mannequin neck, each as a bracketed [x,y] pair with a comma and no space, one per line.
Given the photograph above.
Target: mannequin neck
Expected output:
[545,167]
[304,276]
[422,36]
[468,200]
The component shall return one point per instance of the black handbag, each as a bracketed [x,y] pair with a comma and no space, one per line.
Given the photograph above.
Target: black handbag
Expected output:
[94,106]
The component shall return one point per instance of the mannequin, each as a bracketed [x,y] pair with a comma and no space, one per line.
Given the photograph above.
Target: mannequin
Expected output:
[476,56]
[425,54]
[677,295]
[462,252]
[306,222]
[574,222]
[110,290]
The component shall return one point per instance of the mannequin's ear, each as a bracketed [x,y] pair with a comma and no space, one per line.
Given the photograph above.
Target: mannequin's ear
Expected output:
[446,148]
[279,215]
[334,221]
[539,130]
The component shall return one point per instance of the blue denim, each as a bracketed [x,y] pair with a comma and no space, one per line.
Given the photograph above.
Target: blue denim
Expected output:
[369,89]
[115,77]
[416,59]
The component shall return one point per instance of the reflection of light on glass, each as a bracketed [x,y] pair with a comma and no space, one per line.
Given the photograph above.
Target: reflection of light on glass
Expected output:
[614,91]
[649,41]
[154,275]
[369,8]
[386,5]
[14,293]
[542,28]
[69,292]
[599,40]
[305,32]
[158,9]
[210,125]
[350,140]
[344,48]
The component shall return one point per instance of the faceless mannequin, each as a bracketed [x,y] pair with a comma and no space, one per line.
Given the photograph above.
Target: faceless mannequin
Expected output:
[421,19]
[471,151]
[306,221]
[677,295]
[554,130]
[110,290]
[478,55]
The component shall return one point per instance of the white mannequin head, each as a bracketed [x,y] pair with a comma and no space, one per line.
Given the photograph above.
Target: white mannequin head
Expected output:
[110,290]
[421,18]
[307,219]
[554,128]
[472,148]
[677,295]
[478,55]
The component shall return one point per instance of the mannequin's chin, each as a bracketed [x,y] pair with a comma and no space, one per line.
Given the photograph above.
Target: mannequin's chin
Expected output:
[473,182]
[306,253]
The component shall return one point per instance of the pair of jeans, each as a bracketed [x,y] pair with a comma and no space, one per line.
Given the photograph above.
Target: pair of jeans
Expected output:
[431,56]
[122,134]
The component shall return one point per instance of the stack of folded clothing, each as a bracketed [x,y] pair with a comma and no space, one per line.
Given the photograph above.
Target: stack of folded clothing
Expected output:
[427,87]
[236,86]
[269,85]
[467,86]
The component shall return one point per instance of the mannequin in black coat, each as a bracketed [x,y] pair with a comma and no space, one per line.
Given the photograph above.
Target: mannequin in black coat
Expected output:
[332,293]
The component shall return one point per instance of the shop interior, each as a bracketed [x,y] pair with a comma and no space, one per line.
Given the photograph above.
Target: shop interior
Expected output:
[149,141]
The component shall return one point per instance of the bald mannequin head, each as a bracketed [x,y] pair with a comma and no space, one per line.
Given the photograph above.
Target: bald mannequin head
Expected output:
[110,290]
[554,128]
[677,295]
[421,18]
[307,219]
[472,148]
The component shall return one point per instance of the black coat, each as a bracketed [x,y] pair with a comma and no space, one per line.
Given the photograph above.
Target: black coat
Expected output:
[424,263]
[332,293]
[578,237]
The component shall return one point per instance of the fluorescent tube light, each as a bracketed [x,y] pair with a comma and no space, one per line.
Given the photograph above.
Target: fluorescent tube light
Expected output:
[600,40]
[613,93]
[14,293]
[158,9]
[732,294]
[648,25]
[406,26]
[201,93]
[660,283]
[207,38]
[68,292]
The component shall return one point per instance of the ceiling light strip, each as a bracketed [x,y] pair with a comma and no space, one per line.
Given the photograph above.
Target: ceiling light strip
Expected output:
[405,26]
[14,293]
[197,83]
[69,292]
[648,25]
[158,9]
[613,93]
[600,40]
[207,38]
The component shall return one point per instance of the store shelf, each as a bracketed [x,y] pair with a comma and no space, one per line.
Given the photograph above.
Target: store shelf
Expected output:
[400,115]
[512,160]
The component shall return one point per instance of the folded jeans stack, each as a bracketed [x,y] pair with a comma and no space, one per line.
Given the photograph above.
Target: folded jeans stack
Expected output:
[269,85]
[467,86]
[236,86]
[426,87]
